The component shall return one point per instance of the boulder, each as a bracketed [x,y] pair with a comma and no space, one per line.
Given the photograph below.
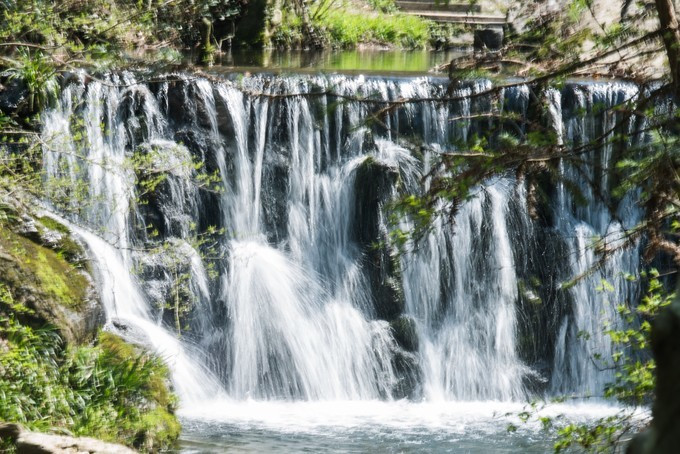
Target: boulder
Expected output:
[133,335]
[488,39]
[38,276]
[27,442]
[38,443]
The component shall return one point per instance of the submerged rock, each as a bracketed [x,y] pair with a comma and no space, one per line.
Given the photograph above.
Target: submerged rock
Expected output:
[409,375]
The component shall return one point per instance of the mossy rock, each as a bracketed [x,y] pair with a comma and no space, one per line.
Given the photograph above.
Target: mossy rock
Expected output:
[157,428]
[62,243]
[159,385]
[55,291]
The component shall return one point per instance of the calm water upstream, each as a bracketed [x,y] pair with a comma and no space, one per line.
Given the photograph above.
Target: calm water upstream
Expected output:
[382,62]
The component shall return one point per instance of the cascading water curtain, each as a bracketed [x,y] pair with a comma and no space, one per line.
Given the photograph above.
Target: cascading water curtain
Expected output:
[304,297]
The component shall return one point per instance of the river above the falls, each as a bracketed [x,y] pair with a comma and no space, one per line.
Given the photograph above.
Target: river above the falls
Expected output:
[365,426]
[366,61]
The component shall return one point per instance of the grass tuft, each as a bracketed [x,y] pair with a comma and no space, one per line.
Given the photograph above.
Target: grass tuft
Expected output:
[350,28]
[110,390]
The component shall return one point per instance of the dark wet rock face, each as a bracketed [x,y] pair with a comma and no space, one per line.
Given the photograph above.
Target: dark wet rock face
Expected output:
[13,94]
[409,376]
[374,183]
[405,333]
[490,39]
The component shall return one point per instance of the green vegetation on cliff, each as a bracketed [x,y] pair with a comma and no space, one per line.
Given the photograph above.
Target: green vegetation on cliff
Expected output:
[56,371]
[97,31]
[43,270]
[101,33]
[109,390]
[54,276]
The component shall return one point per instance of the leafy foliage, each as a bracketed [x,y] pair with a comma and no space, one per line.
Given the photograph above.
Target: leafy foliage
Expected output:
[347,29]
[108,391]
[100,32]
[341,25]
[634,377]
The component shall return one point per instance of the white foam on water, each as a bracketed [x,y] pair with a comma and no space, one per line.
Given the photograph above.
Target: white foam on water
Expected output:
[322,417]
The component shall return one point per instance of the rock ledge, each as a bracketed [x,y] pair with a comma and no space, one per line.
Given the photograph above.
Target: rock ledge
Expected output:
[40,443]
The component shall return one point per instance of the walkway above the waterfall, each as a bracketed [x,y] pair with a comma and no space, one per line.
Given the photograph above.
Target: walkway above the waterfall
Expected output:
[457,13]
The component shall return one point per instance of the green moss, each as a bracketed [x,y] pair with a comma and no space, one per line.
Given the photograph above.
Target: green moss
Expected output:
[120,351]
[54,276]
[116,346]
[66,246]
[52,224]
[157,429]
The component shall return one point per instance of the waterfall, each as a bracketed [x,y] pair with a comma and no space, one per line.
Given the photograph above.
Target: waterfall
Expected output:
[581,336]
[100,164]
[306,299]
[469,331]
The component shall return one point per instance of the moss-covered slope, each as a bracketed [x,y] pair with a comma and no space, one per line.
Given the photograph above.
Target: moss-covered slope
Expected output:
[58,372]
[44,270]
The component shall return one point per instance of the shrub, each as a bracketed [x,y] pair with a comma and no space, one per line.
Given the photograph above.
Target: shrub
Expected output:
[109,390]
[349,28]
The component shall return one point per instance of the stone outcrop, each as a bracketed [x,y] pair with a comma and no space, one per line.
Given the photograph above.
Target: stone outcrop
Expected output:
[373,186]
[45,271]
[27,442]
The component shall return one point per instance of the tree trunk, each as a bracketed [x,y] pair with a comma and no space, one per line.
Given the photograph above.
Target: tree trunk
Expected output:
[671,39]
[207,50]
